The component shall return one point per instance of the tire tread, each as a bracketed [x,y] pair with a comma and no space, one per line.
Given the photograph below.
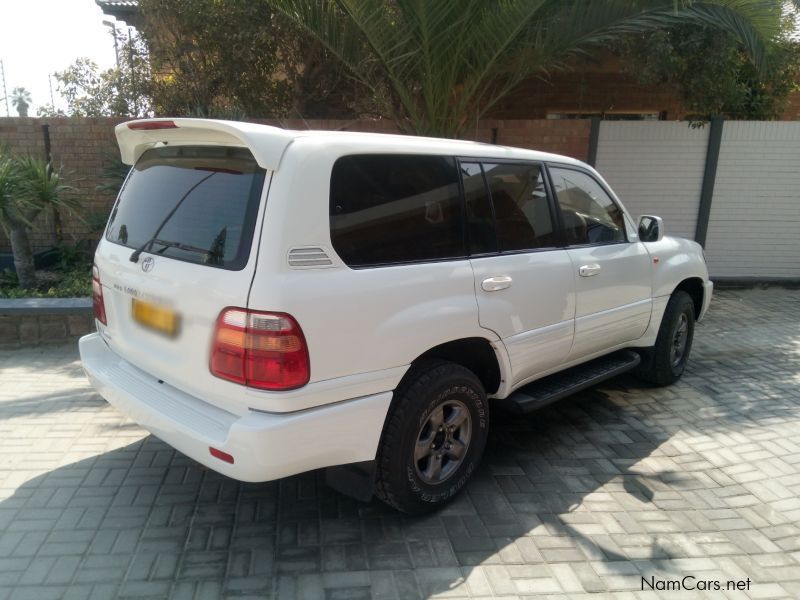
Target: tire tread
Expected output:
[408,396]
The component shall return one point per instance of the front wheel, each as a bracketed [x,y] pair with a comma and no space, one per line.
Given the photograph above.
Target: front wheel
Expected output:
[665,362]
[434,437]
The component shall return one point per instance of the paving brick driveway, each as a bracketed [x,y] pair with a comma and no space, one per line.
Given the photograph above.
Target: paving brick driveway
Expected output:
[589,495]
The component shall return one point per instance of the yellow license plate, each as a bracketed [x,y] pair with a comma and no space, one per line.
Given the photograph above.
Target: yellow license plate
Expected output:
[157,318]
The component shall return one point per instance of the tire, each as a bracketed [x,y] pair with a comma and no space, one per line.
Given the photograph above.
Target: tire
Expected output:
[664,363]
[410,477]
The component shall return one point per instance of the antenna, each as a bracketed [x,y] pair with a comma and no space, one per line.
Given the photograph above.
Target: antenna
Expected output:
[5,91]
[52,99]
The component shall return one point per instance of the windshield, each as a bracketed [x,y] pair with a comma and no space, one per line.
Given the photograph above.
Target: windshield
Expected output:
[192,203]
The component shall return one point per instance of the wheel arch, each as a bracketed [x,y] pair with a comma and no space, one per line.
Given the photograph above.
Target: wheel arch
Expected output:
[694,287]
[477,354]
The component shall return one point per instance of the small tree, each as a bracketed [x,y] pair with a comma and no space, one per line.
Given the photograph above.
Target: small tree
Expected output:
[27,186]
[21,99]
[212,58]
[122,91]
[712,72]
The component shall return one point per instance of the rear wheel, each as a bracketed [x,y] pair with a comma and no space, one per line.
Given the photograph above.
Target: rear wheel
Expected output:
[665,362]
[434,437]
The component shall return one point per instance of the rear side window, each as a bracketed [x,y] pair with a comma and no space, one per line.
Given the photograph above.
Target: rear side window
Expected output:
[192,203]
[480,217]
[387,209]
[521,208]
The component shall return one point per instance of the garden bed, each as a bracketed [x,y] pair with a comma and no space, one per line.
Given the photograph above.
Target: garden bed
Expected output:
[58,310]
[55,282]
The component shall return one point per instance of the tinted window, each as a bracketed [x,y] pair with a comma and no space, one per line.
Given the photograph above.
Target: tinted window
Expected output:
[521,210]
[590,215]
[395,208]
[193,203]
[480,220]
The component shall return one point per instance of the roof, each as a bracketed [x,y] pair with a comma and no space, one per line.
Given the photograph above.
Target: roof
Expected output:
[268,144]
[124,10]
[117,4]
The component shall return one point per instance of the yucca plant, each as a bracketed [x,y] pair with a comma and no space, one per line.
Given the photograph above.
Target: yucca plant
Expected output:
[27,187]
[446,63]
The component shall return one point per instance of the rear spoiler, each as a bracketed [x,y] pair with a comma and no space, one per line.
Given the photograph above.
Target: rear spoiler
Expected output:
[266,143]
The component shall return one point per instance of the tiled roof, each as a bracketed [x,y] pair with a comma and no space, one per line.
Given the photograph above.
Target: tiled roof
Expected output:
[124,10]
[116,3]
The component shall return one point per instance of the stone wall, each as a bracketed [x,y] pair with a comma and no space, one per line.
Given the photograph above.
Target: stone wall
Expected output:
[41,321]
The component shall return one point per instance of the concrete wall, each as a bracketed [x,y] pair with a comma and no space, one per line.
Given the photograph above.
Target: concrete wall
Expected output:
[655,168]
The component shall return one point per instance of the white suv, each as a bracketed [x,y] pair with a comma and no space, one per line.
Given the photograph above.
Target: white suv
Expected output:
[270,302]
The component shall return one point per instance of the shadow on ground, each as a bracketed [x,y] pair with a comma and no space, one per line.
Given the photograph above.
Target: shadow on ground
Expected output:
[583,496]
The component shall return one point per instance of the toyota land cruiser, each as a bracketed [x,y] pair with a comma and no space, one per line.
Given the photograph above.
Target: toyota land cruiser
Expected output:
[270,302]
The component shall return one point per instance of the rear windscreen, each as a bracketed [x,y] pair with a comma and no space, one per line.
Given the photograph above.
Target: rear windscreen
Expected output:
[192,203]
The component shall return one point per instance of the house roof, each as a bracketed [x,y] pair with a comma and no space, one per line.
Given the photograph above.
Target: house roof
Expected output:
[124,10]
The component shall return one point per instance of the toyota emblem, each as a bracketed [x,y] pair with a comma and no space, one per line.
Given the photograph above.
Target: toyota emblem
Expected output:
[147,264]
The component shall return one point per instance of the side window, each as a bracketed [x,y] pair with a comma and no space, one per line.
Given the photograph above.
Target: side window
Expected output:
[387,208]
[590,215]
[480,220]
[522,212]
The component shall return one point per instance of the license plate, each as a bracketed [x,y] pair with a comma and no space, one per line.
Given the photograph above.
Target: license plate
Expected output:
[155,317]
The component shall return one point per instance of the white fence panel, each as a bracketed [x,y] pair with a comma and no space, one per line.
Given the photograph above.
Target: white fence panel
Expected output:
[754,228]
[655,168]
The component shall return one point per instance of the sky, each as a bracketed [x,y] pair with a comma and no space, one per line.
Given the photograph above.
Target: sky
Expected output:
[40,37]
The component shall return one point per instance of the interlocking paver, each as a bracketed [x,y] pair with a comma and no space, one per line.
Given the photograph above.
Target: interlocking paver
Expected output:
[582,499]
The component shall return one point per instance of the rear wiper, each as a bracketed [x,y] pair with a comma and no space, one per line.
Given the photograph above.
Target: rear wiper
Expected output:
[149,243]
[178,245]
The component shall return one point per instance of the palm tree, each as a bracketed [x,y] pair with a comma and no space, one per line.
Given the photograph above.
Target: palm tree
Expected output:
[21,99]
[444,63]
[27,186]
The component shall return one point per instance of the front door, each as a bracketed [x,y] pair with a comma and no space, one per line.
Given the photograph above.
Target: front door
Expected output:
[612,275]
[523,280]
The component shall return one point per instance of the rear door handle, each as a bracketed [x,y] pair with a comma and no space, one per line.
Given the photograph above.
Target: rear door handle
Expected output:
[589,270]
[494,284]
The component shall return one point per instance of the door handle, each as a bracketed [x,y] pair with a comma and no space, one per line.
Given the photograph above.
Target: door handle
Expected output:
[589,270]
[494,284]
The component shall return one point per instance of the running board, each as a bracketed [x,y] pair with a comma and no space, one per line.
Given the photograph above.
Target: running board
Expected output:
[560,385]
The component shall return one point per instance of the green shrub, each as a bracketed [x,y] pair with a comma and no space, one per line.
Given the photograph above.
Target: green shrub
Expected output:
[75,282]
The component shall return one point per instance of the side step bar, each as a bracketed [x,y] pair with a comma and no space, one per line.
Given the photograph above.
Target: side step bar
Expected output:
[560,385]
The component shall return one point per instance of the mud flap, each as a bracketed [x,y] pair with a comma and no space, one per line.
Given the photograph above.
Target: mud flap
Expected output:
[356,480]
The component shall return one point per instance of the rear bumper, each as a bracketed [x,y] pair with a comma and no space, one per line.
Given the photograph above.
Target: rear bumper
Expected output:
[264,446]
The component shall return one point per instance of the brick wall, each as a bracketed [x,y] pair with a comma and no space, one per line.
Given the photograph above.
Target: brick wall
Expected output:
[588,93]
[84,147]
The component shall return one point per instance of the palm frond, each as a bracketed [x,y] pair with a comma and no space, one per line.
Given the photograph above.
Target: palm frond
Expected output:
[40,186]
[448,62]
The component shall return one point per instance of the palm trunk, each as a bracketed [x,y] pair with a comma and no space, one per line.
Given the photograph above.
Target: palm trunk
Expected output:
[23,257]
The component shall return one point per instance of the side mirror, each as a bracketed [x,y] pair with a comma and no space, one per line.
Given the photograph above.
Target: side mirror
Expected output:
[651,229]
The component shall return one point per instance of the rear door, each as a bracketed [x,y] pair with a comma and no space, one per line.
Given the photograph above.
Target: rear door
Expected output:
[612,275]
[523,280]
[179,247]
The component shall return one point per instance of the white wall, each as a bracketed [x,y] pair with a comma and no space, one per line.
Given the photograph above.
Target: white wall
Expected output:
[754,228]
[655,168]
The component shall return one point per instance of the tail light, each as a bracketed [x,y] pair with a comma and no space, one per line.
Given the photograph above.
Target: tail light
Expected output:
[261,350]
[97,296]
